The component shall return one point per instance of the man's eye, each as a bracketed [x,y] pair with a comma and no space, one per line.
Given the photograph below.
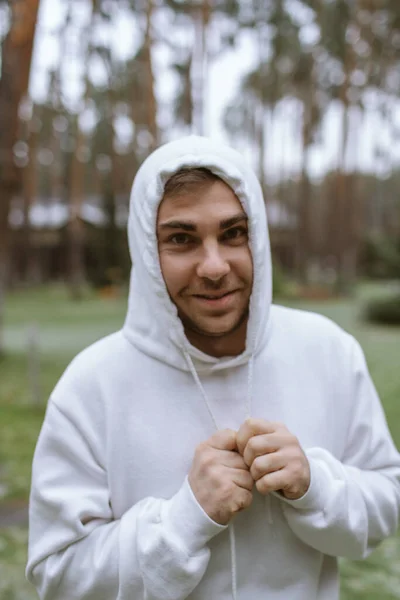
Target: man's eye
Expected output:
[179,239]
[235,233]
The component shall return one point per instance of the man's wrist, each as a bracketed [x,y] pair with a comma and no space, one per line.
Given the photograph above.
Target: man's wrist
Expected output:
[185,519]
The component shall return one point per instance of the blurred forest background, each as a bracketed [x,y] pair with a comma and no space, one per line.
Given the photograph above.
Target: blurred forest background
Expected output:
[314,107]
[308,90]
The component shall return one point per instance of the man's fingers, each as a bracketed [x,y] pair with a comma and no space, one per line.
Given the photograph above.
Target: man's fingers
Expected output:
[225,439]
[243,499]
[267,463]
[252,427]
[264,444]
[280,482]
[243,479]
[233,459]
[272,482]
[227,458]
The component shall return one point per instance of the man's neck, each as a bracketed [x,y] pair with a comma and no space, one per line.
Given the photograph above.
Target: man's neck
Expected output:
[231,344]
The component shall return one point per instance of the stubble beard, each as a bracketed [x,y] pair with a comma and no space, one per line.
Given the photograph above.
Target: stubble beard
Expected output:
[191,325]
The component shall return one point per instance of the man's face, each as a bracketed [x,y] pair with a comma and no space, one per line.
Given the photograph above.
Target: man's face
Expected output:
[205,259]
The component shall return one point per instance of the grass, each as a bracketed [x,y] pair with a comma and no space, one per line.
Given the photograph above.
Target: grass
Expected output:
[66,327]
[13,585]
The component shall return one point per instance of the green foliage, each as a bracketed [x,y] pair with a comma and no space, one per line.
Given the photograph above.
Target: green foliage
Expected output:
[380,257]
[108,260]
[385,310]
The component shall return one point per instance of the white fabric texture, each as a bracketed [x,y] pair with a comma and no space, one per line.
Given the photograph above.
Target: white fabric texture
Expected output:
[112,515]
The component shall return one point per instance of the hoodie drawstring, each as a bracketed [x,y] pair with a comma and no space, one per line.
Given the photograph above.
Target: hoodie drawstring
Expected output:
[232,542]
[200,386]
[232,538]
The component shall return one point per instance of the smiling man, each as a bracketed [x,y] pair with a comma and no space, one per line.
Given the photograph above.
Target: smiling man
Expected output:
[218,446]
[206,260]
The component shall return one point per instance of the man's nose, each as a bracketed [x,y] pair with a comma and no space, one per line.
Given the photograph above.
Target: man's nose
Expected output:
[213,264]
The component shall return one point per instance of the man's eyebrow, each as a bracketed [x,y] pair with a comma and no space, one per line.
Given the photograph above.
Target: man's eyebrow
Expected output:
[185,225]
[233,220]
[190,226]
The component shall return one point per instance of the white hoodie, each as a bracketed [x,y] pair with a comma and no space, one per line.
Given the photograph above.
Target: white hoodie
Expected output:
[112,515]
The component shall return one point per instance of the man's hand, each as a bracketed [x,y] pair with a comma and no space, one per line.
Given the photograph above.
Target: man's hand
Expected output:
[219,477]
[275,458]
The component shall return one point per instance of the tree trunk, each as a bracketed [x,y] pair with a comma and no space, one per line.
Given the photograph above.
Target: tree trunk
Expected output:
[304,242]
[261,107]
[346,204]
[16,61]
[76,227]
[259,137]
[151,99]
[30,187]
[199,65]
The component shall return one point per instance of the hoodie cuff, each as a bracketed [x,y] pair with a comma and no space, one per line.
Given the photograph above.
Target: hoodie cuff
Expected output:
[186,520]
[317,495]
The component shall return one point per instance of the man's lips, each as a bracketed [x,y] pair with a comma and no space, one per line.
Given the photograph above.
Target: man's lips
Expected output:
[216,301]
[214,296]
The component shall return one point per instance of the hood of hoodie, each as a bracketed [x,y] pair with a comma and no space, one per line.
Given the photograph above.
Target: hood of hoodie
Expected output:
[152,323]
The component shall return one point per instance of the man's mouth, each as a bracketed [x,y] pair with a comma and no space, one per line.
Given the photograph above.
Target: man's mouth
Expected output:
[214,296]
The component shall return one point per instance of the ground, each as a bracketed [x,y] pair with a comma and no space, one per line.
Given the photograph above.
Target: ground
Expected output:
[64,329]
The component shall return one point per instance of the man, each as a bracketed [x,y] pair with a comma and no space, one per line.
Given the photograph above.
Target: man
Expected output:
[218,447]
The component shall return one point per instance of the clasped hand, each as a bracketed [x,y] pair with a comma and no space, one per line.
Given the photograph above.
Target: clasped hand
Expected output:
[275,458]
[226,466]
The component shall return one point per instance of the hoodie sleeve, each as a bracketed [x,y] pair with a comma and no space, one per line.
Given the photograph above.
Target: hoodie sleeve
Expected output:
[352,504]
[156,550]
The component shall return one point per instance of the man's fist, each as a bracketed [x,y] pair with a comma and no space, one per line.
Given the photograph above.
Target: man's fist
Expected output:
[220,478]
[274,457]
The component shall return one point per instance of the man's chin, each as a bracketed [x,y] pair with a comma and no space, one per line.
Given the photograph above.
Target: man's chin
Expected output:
[214,330]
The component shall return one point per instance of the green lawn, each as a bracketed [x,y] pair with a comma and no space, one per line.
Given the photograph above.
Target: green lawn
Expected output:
[66,327]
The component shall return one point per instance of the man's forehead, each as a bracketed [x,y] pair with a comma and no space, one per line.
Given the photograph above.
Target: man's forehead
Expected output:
[217,200]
